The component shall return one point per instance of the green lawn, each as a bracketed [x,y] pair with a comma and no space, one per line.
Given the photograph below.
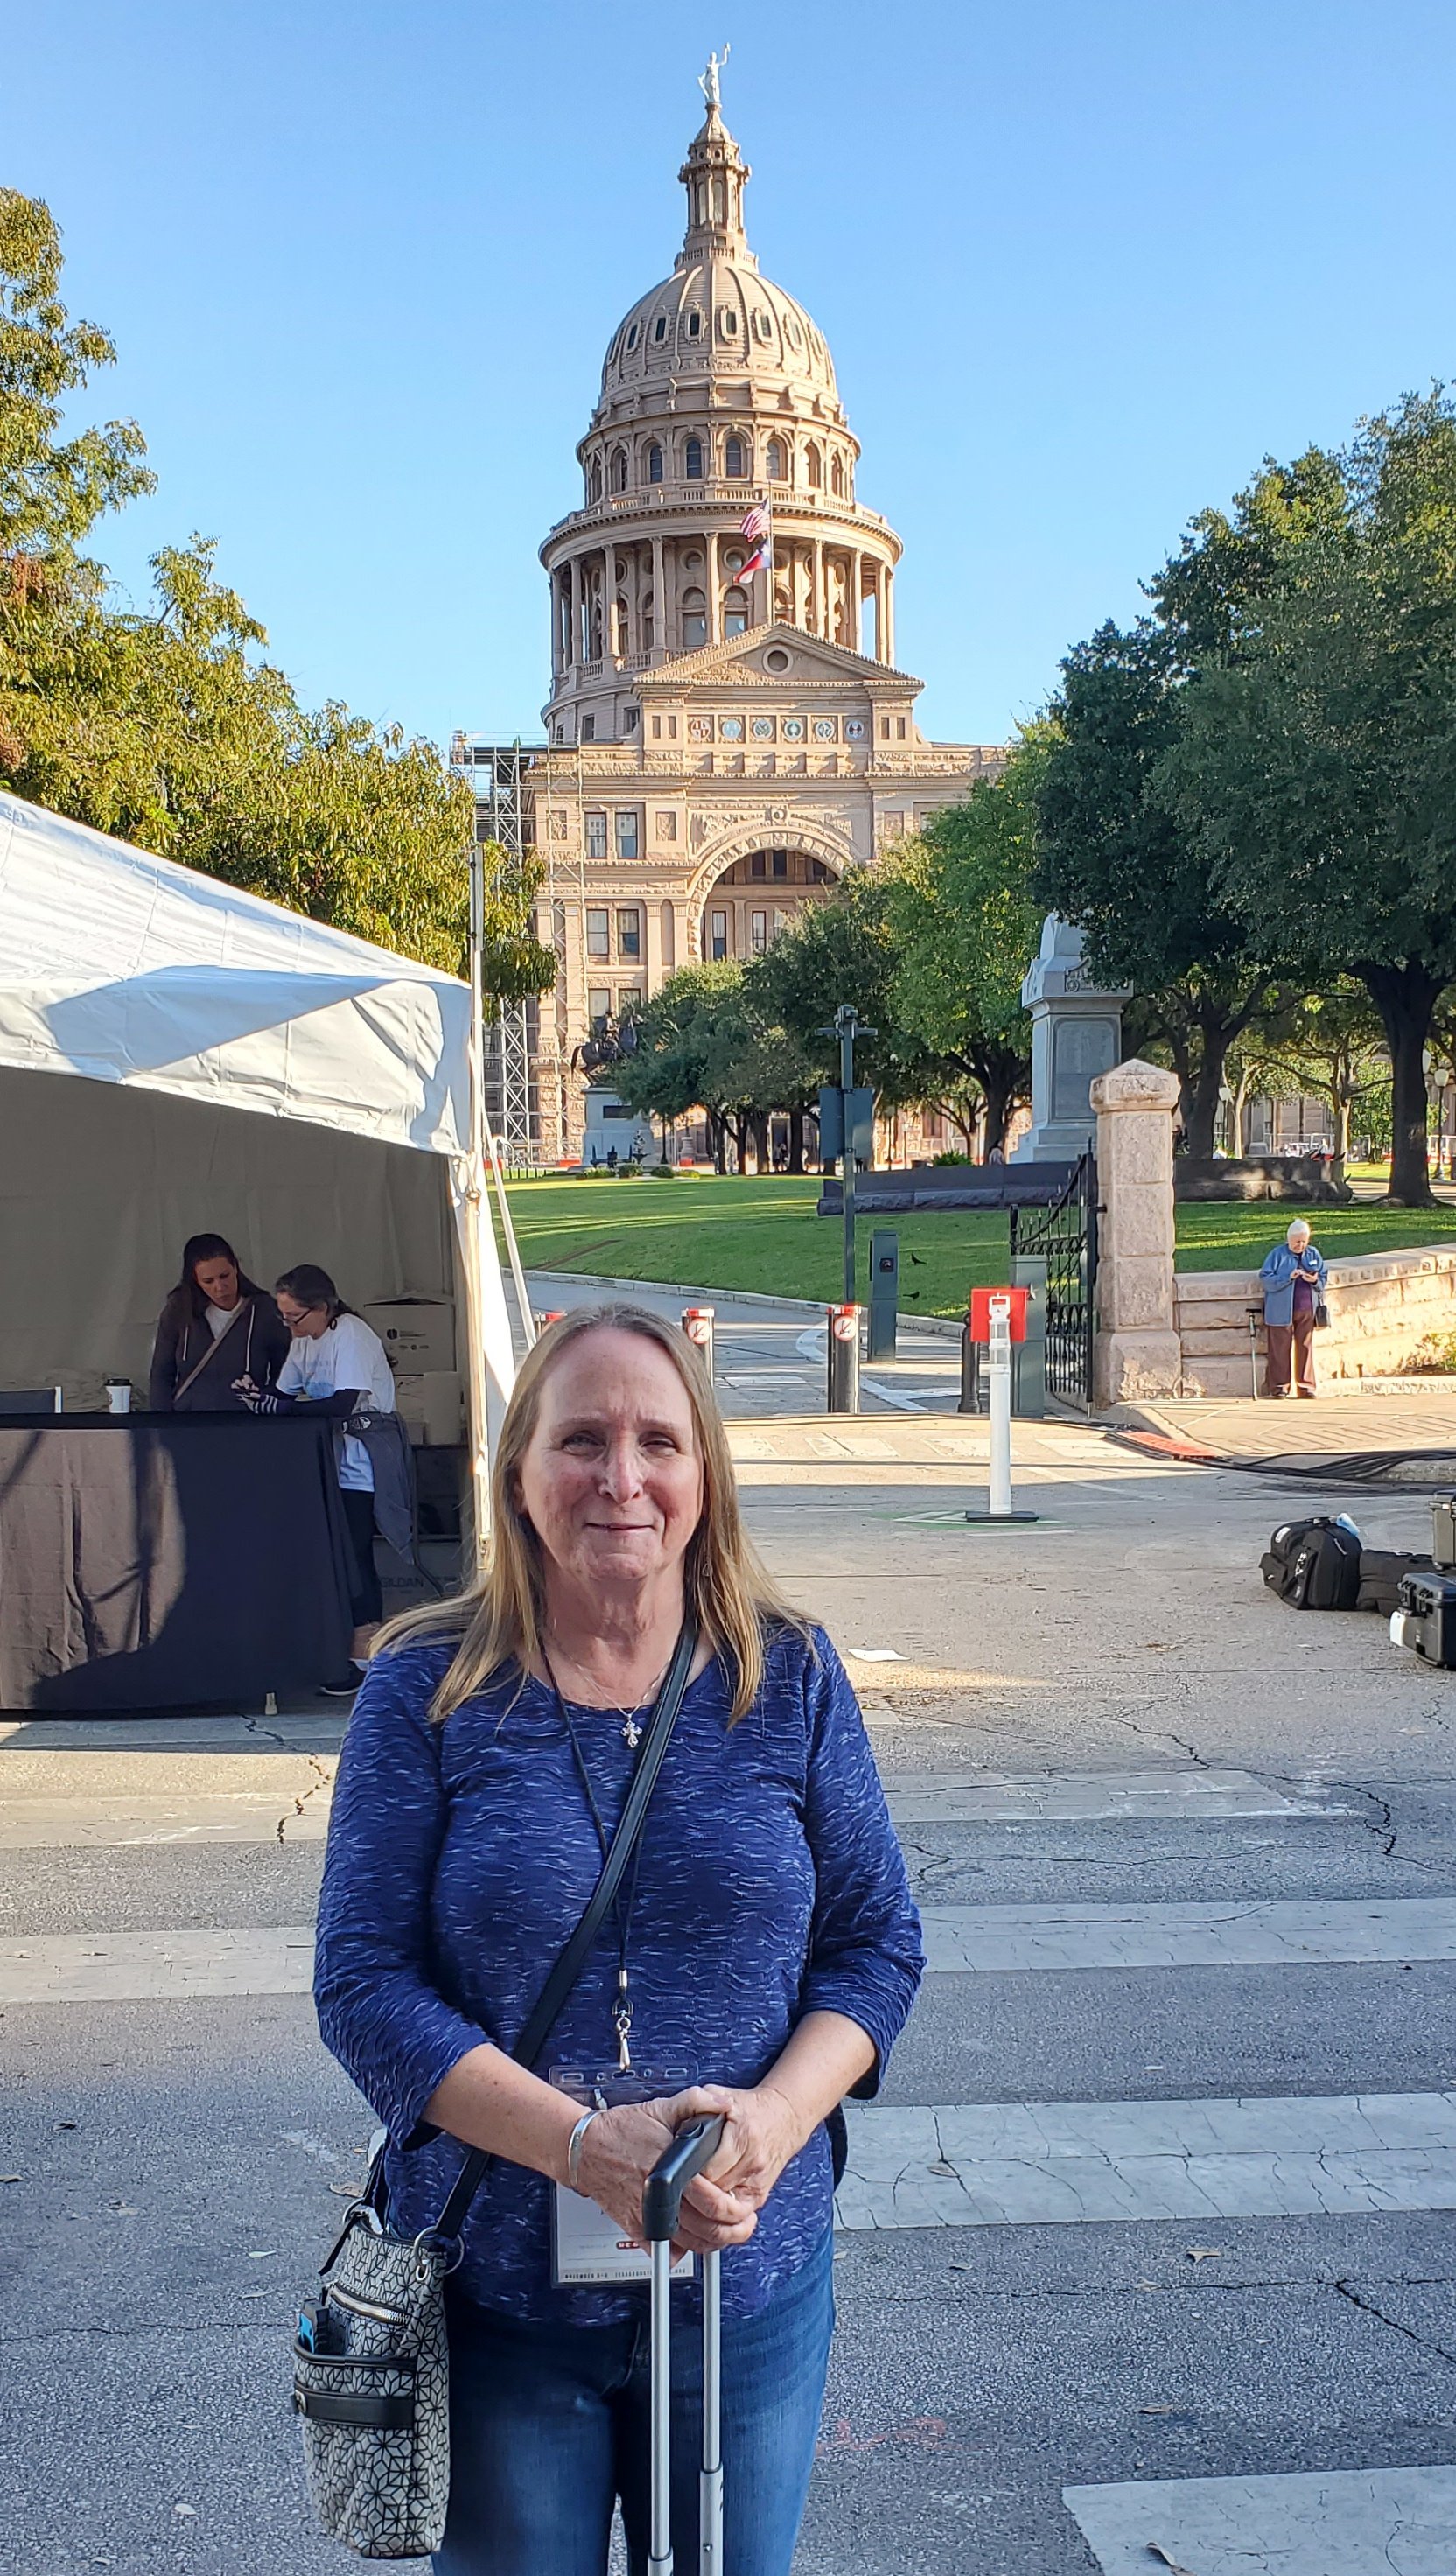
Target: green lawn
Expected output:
[763,1235]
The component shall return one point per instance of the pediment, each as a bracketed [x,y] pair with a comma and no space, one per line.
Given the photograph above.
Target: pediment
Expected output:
[752,662]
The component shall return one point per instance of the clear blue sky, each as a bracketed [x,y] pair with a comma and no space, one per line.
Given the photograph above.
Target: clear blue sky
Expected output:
[1080,268]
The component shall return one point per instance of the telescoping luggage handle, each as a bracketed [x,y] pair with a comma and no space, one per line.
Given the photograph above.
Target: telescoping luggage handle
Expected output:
[692,2148]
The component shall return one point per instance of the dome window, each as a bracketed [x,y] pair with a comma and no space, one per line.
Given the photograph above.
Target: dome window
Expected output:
[695,620]
[659,327]
[594,486]
[796,337]
[763,324]
[814,468]
[693,459]
[633,335]
[728,325]
[735,612]
[617,471]
[836,477]
[733,461]
[654,463]
[774,460]
[695,325]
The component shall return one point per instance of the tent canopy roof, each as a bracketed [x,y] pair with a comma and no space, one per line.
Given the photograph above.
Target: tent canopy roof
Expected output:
[127,968]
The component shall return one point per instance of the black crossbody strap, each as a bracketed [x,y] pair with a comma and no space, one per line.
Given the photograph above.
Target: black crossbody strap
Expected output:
[569,1966]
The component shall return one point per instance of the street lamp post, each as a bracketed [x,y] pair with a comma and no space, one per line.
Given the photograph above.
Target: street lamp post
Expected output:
[847,1026]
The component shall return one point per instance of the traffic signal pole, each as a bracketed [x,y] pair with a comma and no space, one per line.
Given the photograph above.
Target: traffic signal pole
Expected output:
[847,1027]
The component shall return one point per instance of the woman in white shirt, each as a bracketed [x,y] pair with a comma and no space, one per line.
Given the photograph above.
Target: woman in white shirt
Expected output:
[338,1361]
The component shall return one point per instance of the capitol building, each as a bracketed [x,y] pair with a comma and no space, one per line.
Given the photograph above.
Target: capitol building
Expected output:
[727,731]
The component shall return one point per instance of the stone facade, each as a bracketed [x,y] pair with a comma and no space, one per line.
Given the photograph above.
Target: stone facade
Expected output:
[722,742]
[1135,1349]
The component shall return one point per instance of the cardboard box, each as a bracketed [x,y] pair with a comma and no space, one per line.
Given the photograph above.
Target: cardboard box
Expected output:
[431,1404]
[417,1332]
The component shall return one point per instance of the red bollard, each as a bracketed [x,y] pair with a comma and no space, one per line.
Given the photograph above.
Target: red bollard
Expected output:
[697,1323]
[843,1340]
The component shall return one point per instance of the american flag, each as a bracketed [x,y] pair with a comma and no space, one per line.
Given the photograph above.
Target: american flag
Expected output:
[757,524]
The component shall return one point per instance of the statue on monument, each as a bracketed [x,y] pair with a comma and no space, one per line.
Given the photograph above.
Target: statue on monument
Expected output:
[708,80]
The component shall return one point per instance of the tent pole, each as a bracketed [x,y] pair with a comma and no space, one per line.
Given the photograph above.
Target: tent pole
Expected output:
[476,1211]
[513,1250]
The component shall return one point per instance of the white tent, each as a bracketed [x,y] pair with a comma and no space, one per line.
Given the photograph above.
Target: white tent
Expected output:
[193,1002]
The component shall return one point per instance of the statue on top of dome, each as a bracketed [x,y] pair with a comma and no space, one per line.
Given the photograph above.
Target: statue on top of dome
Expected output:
[708,80]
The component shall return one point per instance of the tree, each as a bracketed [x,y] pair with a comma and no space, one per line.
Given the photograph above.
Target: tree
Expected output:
[1316,769]
[681,1055]
[52,488]
[844,950]
[957,900]
[165,726]
[1115,857]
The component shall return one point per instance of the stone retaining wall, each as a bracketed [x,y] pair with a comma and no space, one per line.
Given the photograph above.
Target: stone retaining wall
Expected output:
[1381,1310]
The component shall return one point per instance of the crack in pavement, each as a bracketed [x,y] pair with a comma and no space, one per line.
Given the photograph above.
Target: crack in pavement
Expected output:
[1367,2307]
[325,1780]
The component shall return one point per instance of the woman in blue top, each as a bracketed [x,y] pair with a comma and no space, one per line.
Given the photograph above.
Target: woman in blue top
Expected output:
[1294,1281]
[762,1965]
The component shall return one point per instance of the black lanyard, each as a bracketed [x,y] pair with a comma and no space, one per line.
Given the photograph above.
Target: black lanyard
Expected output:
[622,1911]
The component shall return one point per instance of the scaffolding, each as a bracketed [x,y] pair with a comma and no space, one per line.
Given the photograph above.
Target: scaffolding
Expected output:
[495,773]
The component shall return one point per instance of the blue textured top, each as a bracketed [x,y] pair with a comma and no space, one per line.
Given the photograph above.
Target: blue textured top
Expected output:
[1277,1271]
[461,1857]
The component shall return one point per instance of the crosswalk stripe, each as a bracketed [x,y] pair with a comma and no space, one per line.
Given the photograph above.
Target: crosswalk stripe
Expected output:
[992,1938]
[139,1967]
[1008,1797]
[1037,2164]
[1333,2522]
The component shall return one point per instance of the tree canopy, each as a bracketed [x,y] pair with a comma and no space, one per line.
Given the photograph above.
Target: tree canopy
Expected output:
[165,724]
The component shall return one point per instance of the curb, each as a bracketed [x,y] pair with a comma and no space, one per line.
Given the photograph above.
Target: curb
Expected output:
[939,1327]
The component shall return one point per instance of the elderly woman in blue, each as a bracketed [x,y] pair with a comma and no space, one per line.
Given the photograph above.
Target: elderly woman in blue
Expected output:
[1294,1282]
[762,1959]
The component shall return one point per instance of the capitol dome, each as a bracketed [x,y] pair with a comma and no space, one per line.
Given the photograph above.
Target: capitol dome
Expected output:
[718,476]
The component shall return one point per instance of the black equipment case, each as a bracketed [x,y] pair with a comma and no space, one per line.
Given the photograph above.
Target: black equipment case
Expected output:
[1382,1572]
[1426,1619]
[1443,1531]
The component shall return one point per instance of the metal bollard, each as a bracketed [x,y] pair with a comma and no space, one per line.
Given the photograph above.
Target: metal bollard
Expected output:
[970,1371]
[697,1323]
[843,1341]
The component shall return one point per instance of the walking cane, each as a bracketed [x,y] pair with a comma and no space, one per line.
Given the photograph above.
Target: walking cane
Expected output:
[1256,1317]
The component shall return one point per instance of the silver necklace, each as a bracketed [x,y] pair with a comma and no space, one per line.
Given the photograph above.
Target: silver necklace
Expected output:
[631,1732]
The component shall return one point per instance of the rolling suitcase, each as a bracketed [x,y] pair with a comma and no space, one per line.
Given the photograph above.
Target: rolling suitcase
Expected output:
[661,2201]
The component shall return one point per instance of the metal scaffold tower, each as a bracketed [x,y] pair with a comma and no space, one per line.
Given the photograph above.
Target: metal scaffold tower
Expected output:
[495,773]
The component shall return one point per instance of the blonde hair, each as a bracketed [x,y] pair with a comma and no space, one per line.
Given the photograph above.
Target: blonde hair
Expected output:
[497,1621]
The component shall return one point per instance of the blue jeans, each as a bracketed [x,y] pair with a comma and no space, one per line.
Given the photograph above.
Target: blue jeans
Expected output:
[549,2425]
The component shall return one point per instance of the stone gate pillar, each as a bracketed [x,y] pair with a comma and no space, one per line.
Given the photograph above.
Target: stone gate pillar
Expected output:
[1136,1351]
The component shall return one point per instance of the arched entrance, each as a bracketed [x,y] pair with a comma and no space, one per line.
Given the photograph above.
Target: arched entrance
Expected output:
[756,896]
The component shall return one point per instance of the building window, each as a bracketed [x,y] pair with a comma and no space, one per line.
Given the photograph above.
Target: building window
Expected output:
[795,336]
[627,833]
[659,327]
[758,864]
[774,460]
[899,728]
[632,335]
[588,728]
[717,934]
[781,863]
[836,477]
[594,481]
[672,728]
[695,326]
[654,463]
[695,619]
[693,459]
[733,464]
[618,469]
[629,1000]
[629,921]
[814,467]
[629,720]
[884,728]
[763,324]
[596,841]
[598,931]
[758,932]
[599,1007]
[735,612]
[728,325]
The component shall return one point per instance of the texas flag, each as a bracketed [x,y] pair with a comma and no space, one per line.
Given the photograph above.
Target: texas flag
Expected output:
[757,524]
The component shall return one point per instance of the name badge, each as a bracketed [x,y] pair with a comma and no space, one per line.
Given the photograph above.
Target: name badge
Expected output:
[588,2249]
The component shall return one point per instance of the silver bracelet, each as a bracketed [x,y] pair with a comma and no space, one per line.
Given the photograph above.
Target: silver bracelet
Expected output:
[574,2146]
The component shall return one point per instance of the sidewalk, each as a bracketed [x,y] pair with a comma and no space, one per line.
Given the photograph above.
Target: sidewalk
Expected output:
[1339,1425]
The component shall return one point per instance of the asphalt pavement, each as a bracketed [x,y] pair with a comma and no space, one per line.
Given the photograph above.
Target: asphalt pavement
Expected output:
[1141,2265]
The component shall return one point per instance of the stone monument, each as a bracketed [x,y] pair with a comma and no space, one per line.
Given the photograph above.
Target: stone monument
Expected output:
[1076,1035]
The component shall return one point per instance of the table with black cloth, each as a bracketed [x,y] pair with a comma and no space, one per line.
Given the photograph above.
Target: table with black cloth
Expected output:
[162,1560]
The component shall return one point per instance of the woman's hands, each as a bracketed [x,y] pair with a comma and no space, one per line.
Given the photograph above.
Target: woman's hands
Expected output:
[761,2134]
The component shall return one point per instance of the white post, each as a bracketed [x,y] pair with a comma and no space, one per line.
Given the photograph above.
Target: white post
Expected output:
[998,1371]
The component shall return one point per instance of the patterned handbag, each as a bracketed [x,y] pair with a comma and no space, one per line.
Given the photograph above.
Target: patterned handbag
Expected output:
[371,2365]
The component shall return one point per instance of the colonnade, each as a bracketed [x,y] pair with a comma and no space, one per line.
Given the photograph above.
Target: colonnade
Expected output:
[600,612]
